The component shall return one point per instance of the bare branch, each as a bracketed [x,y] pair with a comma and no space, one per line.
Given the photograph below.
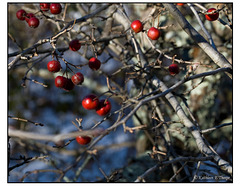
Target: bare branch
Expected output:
[216,127]
[54,138]
[203,147]
[217,57]
[26,120]
[164,163]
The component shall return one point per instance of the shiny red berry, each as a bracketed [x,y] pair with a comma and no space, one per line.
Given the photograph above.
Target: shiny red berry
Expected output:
[90,102]
[94,63]
[44,6]
[28,16]
[55,8]
[54,66]
[83,140]
[212,17]
[21,14]
[60,81]
[33,22]
[174,69]
[103,108]
[137,26]
[153,33]
[78,78]
[75,45]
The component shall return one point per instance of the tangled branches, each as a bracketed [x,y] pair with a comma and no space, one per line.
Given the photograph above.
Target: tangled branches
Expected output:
[171,119]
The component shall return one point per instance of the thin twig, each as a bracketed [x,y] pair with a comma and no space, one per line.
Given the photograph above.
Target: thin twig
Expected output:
[214,128]
[164,163]
[25,120]
[27,160]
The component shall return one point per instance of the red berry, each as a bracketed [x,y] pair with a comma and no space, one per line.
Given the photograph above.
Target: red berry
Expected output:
[74,45]
[94,63]
[33,22]
[60,81]
[78,78]
[55,8]
[90,102]
[180,4]
[174,69]
[28,16]
[103,108]
[212,17]
[64,83]
[83,140]
[153,33]
[21,14]
[54,66]
[44,6]
[137,26]
[68,85]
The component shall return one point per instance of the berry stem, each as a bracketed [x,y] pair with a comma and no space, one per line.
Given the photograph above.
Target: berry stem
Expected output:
[173,58]
[67,64]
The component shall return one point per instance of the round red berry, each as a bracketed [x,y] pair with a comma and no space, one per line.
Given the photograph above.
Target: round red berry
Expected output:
[212,17]
[174,69]
[21,14]
[137,26]
[33,22]
[94,63]
[55,8]
[28,16]
[180,4]
[78,78]
[104,107]
[60,81]
[90,102]
[54,66]
[75,45]
[153,33]
[68,85]
[44,6]
[83,140]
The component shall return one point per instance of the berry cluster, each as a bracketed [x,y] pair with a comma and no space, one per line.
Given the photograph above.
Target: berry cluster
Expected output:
[55,8]
[102,108]
[91,102]
[154,34]
[77,78]
[32,20]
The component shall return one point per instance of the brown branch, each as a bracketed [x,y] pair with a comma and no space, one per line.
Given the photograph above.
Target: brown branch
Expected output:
[26,120]
[54,138]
